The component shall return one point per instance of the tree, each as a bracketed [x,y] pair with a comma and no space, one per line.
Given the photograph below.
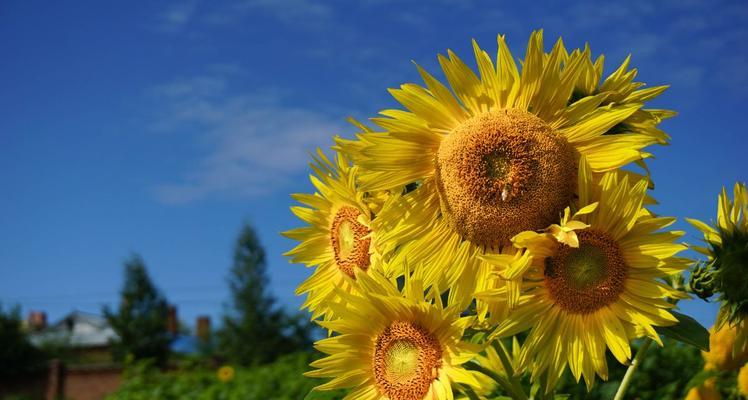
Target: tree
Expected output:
[254,330]
[140,321]
[18,356]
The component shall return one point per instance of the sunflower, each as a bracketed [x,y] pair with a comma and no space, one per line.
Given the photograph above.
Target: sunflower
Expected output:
[339,238]
[727,266]
[494,156]
[393,345]
[225,374]
[720,356]
[706,391]
[596,282]
[743,380]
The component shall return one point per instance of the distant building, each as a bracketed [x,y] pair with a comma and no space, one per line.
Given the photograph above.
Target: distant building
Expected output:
[86,370]
[193,344]
[86,336]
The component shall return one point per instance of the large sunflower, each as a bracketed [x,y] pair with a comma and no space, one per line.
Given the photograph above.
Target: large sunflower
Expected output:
[494,156]
[727,252]
[339,238]
[393,345]
[597,281]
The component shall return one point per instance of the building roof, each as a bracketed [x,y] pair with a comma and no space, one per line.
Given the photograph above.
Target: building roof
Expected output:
[185,344]
[77,329]
[81,329]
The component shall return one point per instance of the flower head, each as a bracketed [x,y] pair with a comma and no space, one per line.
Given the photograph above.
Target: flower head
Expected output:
[339,238]
[596,281]
[495,154]
[394,345]
[707,391]
[225,374]
[743,380]
[720,356]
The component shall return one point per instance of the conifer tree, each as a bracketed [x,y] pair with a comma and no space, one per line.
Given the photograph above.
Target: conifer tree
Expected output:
[254,330]
[140,321]
[17,356]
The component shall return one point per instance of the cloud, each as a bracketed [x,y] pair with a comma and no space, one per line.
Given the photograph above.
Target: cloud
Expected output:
[289,11]
[687,76]
[305,13]
[177,16]
[253,144]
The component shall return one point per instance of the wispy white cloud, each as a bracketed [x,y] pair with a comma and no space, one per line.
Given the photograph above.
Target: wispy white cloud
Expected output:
[253,144]
[687,76]
[303,13]
[177,15]
[288,11]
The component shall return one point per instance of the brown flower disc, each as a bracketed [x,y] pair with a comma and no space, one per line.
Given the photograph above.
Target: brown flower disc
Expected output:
[501,173]
[407,358]
[584,279]
[350,241]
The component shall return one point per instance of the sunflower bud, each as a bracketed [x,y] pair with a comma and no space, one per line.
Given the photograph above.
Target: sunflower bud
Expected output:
[727,252]
[701,282]
[731,265]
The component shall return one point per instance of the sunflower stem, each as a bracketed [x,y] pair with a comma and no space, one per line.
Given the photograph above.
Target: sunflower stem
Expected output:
[632,368]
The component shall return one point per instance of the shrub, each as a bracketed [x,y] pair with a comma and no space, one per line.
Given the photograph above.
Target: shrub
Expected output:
[281,380]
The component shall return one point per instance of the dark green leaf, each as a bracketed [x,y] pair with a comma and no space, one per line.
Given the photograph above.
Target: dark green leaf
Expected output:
[687,331]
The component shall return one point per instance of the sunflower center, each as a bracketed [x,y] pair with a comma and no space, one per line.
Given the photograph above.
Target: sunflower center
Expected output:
[584,279]
[586,266]
[503,172]
[350,241]
[402,360]
[407,359]
[498,166]
[347,239]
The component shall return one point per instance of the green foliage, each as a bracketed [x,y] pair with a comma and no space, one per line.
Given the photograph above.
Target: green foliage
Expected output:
[254,330]
[18,397]
[17,356]
[281,380]
[140,321]
[687,331]
[663,374]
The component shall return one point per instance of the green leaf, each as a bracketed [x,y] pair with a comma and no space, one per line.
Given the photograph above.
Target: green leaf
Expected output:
[687,331]
[478,337]
[313,395]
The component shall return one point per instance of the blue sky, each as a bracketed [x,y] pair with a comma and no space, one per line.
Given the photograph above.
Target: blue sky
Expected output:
[160,127]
